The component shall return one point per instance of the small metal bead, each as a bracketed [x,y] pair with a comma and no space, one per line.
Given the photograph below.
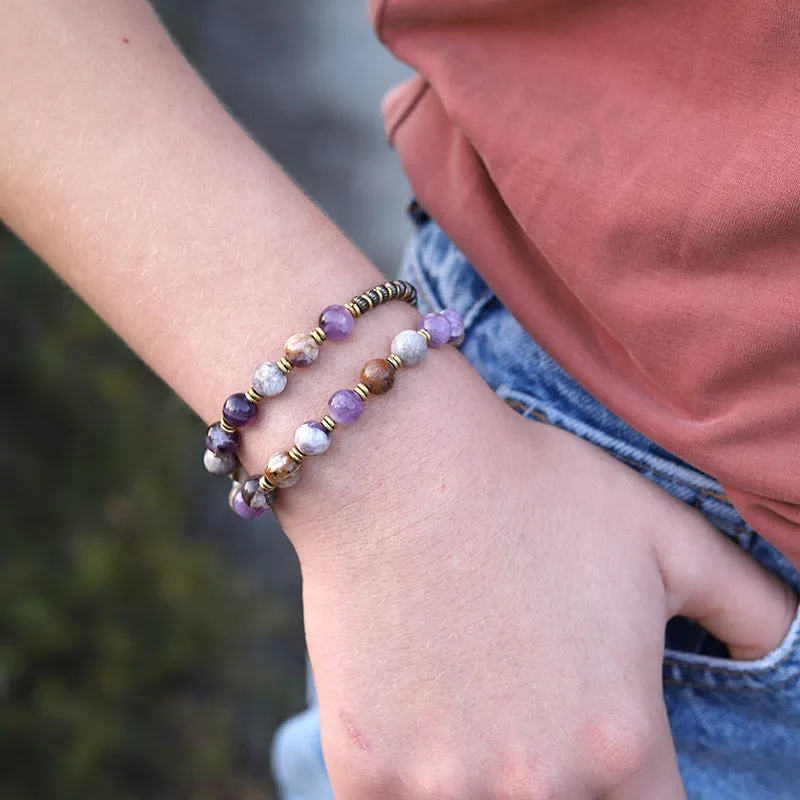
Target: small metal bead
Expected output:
[382,292]
[285,366]
[253,396]
[227,428]
[318,335]
[427,336]
[328,423]
[391,289]
[266,485]
[361,390]
[296,454]
[363,304]
[395,360]
[353,309]
[373,295]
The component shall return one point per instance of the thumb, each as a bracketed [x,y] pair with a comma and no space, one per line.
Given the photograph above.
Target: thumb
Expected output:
[712,580]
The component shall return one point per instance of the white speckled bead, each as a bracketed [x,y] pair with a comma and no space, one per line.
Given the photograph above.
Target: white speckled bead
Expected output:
[312,439]
[219,465]
[410,346]
[268,380]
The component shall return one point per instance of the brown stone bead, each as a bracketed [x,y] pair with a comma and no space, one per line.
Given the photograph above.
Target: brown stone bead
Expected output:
[378,375]
[282,470]
[301,350]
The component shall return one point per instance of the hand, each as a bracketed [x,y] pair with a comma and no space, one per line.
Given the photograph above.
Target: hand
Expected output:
[497,631]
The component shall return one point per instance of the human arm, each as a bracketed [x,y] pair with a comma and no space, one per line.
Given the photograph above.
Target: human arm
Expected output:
[212,302]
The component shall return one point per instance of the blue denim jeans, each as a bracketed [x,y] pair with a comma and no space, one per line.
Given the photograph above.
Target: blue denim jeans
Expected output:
[736,724]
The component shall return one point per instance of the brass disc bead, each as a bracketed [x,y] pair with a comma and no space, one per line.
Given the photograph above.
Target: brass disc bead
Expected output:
[378,375]
[362,391]
[328,423]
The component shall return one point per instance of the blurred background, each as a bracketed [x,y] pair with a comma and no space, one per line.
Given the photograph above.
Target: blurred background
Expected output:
[150,642]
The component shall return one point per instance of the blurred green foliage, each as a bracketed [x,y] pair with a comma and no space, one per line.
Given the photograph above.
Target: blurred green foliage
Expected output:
[122,633]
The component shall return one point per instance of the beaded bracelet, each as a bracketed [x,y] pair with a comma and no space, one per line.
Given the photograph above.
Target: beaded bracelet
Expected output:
[253,495]
[300,350]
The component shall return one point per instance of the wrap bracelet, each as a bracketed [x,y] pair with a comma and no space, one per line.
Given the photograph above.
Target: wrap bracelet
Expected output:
[254,494]
[270,379]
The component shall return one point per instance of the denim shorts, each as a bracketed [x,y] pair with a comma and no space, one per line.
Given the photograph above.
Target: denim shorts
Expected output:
[736,724]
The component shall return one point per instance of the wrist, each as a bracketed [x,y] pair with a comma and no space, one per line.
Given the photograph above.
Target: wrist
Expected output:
[414,442]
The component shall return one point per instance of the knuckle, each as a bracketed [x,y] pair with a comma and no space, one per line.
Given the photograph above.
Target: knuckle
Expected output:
[519,775]
[617,746]
[439,780]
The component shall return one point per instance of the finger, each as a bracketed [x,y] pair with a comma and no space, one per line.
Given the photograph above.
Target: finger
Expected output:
[712,580]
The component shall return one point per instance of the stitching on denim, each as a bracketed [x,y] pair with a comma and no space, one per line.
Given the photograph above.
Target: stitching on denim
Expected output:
[726,688]
[472,314]
[721,496]
[526,411]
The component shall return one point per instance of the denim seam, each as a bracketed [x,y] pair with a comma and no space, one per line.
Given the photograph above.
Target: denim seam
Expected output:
[727,688]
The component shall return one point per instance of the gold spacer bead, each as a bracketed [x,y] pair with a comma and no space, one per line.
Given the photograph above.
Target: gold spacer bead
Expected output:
[253,396]
[426,335]
[285,366]
[353,309]
[227,428]
[296,455]
[318,335]
[395,361]
[265,484]
[368,301]
[328,423]
[361,390]
[392,289]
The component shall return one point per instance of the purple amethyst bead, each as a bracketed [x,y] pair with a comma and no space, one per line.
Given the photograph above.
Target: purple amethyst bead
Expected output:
[238,411]
[456,324]
[438,327]
[336,322]
[244,510]
[220,442]
[345,406]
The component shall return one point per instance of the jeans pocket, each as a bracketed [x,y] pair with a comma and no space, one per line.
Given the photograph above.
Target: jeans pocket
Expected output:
[779,670]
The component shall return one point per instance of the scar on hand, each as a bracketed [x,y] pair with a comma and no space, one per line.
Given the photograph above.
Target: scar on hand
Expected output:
[353,733]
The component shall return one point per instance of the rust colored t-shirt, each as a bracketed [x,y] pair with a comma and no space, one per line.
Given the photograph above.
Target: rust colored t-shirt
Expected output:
[626,176]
